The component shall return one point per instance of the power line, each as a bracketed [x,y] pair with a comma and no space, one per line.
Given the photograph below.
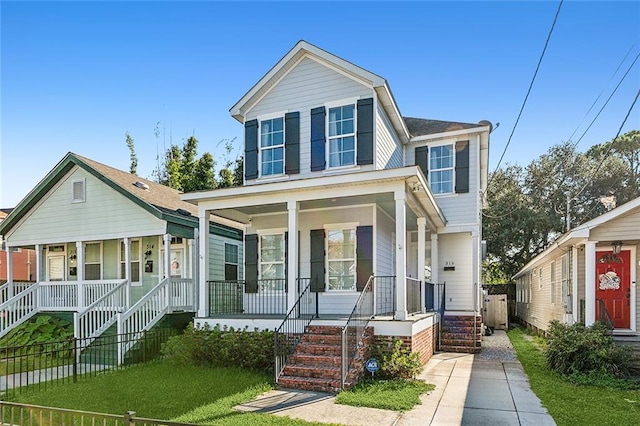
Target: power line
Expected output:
[555,19]
[606,154]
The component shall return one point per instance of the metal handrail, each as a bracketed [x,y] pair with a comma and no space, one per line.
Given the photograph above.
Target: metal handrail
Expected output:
[289,333]
[604,316]
[355,327]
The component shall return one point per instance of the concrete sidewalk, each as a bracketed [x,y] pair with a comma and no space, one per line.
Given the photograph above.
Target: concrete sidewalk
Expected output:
[470,390]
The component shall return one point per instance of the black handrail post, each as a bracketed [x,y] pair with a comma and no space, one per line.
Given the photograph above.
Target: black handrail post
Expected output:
[75,359]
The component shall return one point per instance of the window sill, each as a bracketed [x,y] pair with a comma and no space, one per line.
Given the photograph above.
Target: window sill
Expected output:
[446,195]
[274,178]
[339,170]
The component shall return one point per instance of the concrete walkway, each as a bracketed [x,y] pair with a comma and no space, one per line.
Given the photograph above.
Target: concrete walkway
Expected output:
[487,389]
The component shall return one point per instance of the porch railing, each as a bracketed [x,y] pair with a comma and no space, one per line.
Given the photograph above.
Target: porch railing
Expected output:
[72,295]
[353,331]
[385,295]
[434,297]
[13,413]
[269,297]
[146,312]
[603,315]
[101,314]
[414,296]
[18,309]
[288,335]
[18,287]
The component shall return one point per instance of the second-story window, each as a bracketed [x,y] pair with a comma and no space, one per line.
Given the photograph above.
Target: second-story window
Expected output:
[342,136]
[441,169]
[272,147]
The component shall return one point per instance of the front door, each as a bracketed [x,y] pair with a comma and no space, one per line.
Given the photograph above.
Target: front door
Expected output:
[613,286]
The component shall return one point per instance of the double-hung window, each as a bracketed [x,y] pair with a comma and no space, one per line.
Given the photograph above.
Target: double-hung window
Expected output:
[272,261]
[134,259]
[93,261]
[272,147]
[342,136]
[341,259]
[230,261]
[441,169]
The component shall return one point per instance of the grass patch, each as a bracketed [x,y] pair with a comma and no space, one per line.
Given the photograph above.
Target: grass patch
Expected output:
[397,395]
[162,390]
[571,404]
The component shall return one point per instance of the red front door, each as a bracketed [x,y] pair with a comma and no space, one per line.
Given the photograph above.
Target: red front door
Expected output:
[613,286]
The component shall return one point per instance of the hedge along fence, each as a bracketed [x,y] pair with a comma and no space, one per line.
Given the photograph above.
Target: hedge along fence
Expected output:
[222,347]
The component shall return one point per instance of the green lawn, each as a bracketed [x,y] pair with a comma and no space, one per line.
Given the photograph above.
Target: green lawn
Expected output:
[570,404]
[397,395]
[163,391]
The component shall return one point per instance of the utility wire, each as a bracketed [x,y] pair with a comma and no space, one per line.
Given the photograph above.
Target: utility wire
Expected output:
[606,154]
[555,19]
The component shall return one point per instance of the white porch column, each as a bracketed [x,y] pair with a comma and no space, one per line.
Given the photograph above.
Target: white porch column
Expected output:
[38,262]
[574,284]
[80,272]
[127,267]
[435,278]
[590,282]
[401,255]
[292,250]
[477,290]
[203,264]
[422,228]
[194,246]
[10,289]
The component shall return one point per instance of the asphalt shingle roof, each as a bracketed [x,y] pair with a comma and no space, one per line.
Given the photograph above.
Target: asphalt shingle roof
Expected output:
[423,126]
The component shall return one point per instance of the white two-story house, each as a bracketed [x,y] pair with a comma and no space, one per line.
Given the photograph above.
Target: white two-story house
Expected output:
[355,217]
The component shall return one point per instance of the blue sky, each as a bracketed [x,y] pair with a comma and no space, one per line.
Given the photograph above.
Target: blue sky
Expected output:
[76,76]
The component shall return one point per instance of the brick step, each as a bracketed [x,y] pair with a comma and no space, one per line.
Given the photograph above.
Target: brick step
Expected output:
[317,360]
[462,323]
[311,349]
[314,372]
[322,339]
[323,329]
[311,384]
[459,342]
[454,335]
[461,318]
[460,349]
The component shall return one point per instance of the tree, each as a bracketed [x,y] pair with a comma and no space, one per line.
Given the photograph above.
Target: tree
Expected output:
[132,151]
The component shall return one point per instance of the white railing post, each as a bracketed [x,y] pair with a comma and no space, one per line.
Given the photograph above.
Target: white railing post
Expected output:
[77,334]
[119,333]
[81,288]
[422,254]
[127,294]
[170,287]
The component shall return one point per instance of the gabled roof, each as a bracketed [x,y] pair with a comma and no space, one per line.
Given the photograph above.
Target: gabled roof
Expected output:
[581,232]
[423,126]
[302,49]
[159,200]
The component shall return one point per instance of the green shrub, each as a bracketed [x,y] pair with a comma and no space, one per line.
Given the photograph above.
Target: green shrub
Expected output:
[396,362]
[222,347]
[579,350]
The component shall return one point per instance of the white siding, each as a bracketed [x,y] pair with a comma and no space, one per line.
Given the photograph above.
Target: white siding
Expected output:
[383,236]
[457,208]
[216,256]
[105,214]
[389,154]
[538,310]
[457,248]
[308,85]
[622,228]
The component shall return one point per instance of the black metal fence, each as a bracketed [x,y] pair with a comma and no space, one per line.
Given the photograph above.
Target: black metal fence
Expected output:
[12,413]
[288,335]
[229,298]
[385,291]
[414,296]
[435,297]
[45,364]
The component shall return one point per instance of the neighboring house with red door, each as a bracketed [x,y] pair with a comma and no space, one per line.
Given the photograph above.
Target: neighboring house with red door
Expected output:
[23,260]
[588,274]
[354,216]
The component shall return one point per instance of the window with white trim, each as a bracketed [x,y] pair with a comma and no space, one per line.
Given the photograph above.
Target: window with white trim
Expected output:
[134,260]
[566,282]
[540,278]
[272,147]
[272,267]
[93,261]
[230,261]
[342,136]
[553,283]
[78,193]
[441,169]
[341,259]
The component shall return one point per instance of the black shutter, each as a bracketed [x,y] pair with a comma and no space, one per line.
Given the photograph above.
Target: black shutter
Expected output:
[317,139]
[251,149]
[286,262]
[251,263]
[365,131]
[364,255]
[462,166]
[292,143]
[422,159]
[317,260]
